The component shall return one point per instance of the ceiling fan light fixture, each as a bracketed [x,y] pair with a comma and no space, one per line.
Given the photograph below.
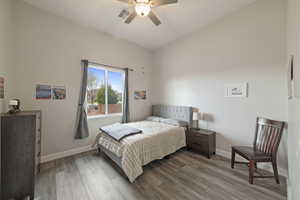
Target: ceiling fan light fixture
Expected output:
[142,9]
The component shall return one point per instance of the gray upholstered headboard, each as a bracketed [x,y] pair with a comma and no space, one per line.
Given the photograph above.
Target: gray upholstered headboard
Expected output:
[182,113]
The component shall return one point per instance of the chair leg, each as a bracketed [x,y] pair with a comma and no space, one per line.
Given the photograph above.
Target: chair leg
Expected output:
[251,171]
[232,158]
[274,164]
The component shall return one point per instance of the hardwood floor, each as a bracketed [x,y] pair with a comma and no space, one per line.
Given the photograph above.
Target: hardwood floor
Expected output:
[184,176]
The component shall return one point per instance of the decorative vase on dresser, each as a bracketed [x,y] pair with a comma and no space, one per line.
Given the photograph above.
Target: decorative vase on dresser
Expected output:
[20,145]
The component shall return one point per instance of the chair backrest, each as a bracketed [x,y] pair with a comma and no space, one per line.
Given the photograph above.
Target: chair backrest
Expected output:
[268,135]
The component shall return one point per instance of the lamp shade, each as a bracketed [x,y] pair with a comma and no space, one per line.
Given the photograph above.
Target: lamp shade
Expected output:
[196,116]
[13,103]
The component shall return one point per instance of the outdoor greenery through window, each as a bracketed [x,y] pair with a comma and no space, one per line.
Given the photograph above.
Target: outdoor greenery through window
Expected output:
[104,91]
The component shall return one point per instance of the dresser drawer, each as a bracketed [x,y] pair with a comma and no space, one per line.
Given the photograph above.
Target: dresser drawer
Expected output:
[198,146]
[198,137]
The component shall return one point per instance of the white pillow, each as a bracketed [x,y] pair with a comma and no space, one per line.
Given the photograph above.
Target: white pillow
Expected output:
[154,119]
[174,122]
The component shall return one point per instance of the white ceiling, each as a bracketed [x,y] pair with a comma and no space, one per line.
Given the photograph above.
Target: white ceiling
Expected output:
[177,19]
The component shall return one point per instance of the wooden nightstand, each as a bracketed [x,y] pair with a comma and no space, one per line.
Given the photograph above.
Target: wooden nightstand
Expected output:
[202,141]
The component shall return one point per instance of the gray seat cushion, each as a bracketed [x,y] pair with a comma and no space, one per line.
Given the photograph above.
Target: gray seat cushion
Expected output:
[252,154]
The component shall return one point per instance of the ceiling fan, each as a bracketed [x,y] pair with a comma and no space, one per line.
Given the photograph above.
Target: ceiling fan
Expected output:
[143,8]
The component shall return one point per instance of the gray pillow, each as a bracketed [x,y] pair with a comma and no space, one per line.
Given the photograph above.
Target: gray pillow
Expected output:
[174,122]
[154,119]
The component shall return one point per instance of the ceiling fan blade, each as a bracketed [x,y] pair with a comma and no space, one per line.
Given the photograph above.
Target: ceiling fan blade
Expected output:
[123,14]
[156,3]
[154,18]
[130,17]
[127,1]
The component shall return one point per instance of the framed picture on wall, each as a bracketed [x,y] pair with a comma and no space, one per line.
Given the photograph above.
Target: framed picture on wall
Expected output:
[43,92]
[59,92]
[296,78]
[290,77]
[1,88]
[238,90]
[140,95]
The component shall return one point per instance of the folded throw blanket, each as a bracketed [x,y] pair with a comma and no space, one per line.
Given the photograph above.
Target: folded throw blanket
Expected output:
[119,131]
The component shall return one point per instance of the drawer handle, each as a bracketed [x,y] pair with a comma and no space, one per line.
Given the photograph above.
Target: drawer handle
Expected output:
[200,137]
[197,135]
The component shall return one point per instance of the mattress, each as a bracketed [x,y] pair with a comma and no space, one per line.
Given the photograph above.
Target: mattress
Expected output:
[157,141]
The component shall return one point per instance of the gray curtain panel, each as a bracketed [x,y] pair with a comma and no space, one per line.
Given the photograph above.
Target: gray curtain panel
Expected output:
[125,117]
[81,126]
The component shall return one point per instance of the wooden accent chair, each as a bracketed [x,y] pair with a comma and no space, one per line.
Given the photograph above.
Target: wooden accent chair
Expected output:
[266,142]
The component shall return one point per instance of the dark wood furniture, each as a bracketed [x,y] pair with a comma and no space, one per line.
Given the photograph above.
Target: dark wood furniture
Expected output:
[266,142]
[202,141]
[20,154]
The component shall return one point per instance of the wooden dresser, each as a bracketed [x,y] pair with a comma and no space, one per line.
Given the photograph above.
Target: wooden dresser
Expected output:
[20,154]
[202,141]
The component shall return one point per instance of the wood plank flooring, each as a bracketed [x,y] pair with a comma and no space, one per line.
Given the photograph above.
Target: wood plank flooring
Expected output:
[184,176]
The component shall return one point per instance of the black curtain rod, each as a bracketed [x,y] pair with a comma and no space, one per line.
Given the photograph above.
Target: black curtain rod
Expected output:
[111,66]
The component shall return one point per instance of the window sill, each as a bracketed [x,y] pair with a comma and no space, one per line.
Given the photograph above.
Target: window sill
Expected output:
[105,116]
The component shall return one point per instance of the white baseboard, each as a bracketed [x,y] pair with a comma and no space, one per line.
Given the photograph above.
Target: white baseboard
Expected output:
[265,166]
[219,152]
[67,153]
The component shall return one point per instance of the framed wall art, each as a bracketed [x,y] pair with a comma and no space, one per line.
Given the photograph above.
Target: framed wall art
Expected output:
[43,92]
[290,77]
[58,92]
[1,88]
[239,90]
[140,95]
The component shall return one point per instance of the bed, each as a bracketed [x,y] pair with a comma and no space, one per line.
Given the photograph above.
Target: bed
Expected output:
[160,137]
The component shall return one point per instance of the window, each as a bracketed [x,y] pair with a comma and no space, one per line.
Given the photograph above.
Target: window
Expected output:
[104,91]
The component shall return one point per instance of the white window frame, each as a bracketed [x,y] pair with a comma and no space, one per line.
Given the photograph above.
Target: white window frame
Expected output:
[106,70]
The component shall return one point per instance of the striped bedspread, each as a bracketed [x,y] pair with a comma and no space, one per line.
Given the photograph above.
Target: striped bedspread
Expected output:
[157,141]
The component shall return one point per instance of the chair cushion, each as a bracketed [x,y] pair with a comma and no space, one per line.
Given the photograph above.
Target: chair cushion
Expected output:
[251,154]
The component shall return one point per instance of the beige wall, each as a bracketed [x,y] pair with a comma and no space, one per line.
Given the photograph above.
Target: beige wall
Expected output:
[49,50]
[6,51]
[293,48]
[247,46]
